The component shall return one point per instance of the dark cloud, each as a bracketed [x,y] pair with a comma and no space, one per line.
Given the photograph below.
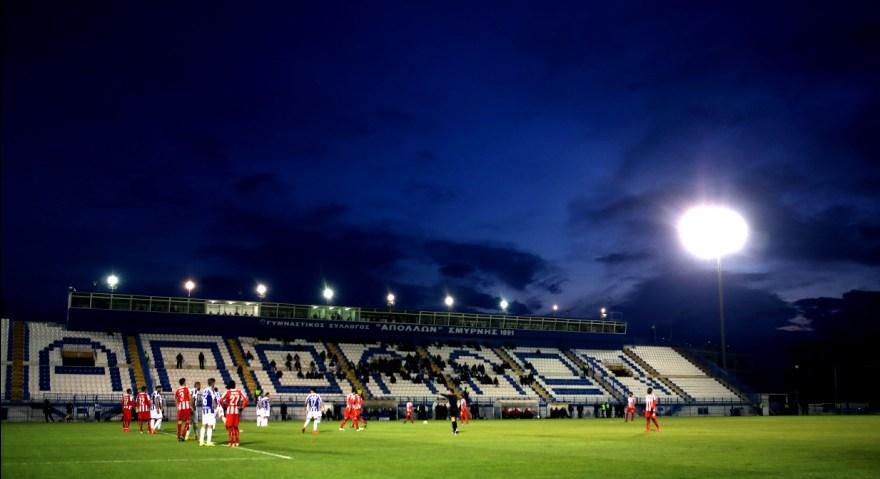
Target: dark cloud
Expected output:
[510,266]
[621,258]
[684,306]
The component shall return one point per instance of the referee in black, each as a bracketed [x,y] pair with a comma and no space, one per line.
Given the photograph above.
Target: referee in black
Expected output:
[453,410]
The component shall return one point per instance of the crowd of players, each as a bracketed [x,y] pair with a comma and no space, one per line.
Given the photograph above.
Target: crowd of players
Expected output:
[211,406]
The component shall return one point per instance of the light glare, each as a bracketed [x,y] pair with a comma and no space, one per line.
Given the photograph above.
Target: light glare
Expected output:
[710,232]
[261,290]
[449,301]
[328,293]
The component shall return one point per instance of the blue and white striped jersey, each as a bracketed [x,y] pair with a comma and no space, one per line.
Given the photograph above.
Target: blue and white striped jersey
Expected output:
[209,400]
[313,403]
[156,402]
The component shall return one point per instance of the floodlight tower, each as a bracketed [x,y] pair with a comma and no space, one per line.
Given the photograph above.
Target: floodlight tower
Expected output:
[112,282]
[328,294]
[711,232]
[189,286]
[503,305]
[261,290]
[390,299]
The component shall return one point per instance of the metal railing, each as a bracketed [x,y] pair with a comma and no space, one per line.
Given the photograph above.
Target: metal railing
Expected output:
[462,322]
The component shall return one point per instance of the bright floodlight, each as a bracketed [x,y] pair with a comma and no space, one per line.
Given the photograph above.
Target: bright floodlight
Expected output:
[449,301]
[189,285]
[112,281]
[710,232]
[555,307]
[261,290]
[504,304]
[390,299]
[328,293]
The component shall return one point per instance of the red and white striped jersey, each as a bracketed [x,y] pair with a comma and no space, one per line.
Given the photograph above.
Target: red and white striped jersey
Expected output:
[143,402]
[234,401]
[462,403]
[350,401]
[126,401]
[182,396]
[631,401]
[409,406]
[358,402]
[650,402]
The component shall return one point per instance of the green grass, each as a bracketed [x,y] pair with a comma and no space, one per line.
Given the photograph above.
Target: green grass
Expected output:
[801,447]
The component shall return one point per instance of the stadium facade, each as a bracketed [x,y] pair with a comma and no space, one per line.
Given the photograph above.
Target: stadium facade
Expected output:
[109,342]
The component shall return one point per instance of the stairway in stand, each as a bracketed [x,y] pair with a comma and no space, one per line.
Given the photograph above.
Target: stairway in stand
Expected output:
[436,368]
[347,368]
[250,382]
[521,372]
[595,375]
[18,340]
[137,362]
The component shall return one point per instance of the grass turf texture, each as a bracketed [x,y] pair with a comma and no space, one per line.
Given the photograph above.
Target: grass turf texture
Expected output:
[798,447]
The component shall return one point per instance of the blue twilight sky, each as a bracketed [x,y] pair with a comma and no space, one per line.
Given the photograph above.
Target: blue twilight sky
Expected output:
[537,151]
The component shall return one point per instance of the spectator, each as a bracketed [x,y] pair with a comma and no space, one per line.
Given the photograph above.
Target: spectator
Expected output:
[47,411]
[283,412]
[97,411]
[201,360]
[279,374]
[179,360]
[288,364]
[289,357]
[249,356]
[239,370]
[68,412]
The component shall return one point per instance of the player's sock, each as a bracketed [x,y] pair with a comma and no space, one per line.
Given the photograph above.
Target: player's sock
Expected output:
[178,429]
[454,427]
[210,434]
[315,425]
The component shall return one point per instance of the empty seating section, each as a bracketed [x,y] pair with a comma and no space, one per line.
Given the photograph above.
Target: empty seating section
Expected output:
[666,361]
[266,351]
[705,388]
[164,348]
[508,385]
[635,379]
[685,374]
[381,384]
[110,374]
[558,375]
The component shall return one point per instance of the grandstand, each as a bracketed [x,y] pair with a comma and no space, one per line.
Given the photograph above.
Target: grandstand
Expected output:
[392,357]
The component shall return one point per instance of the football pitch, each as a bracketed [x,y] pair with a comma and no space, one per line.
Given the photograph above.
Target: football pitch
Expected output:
[798,447]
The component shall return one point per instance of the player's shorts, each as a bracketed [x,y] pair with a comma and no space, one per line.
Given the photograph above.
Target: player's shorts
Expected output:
[630,410]
[232,420]
[408,415]
[126,413]
[143,416]
[155,414]
[348,414]
[208,419]
[313,415]
[184,414]
[651,414]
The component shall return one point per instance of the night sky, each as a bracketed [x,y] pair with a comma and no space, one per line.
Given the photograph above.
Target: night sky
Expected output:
[541,153]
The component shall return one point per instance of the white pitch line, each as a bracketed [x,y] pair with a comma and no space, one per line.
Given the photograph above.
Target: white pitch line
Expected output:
[280,456]
[127,461]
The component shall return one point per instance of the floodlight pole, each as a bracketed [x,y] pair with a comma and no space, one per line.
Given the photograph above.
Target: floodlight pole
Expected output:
[721,315]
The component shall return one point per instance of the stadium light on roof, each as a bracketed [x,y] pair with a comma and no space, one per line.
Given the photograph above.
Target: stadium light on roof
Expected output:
[112,281]
[712,232]
[555,308]
[328,294]
[503,304]
[390,298]
[261,290]
[190,285]
[449,301]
